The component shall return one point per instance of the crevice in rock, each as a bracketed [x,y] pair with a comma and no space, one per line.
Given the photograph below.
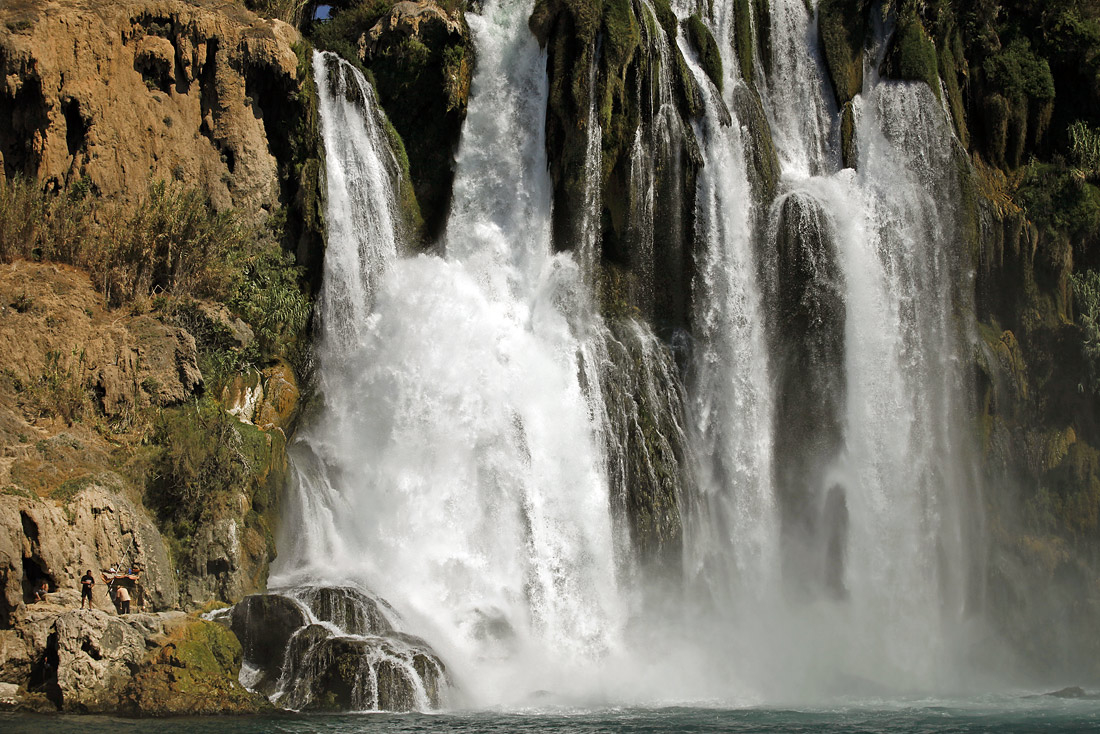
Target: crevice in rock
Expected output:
[76,127]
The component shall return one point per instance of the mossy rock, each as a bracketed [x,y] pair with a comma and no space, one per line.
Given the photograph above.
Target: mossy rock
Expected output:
[193,673]
[848,151]
[912,55]
[764,169]
[420,60]
[843,27]
[707,48]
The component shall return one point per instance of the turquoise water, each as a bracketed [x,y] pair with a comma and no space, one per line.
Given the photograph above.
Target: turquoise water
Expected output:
[1016,715]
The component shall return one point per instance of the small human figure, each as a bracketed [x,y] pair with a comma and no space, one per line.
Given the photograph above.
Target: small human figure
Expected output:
[41,590]
[87,581]
[123,597]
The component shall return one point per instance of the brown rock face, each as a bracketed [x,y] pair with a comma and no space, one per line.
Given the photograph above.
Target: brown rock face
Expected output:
[267,399]
[125,92]
[98,528]
[58,332]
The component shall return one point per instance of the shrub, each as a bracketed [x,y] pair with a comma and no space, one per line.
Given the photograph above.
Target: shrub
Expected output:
[1057,199]
[1086,295]
[1018,72]
[198,459]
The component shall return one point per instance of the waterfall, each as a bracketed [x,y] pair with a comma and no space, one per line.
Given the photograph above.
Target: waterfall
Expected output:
[545,496]
[454,464]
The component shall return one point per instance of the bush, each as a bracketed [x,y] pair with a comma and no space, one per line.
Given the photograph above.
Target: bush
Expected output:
[172,246]
[1085,148]
[174,242]
[1056,199]
[1017,72]
[1086,294]
[199,458]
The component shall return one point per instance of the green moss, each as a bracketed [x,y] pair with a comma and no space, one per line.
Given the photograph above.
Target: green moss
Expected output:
[423,84]
[707,48]
[764,171]
[743,37]
[410,207]
[949,73]
[912,55]
[842,25]
[667,19]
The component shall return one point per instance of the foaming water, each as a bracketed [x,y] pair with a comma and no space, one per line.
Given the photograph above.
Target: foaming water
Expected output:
[479,429]
[454,467]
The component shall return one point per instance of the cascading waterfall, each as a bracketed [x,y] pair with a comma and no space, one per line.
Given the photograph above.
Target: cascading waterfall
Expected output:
[454,467]
[480,432]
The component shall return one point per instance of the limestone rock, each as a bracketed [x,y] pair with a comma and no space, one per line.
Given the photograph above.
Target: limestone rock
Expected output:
[66,338]
[193,672]
[264,624]
[95,653]
[364,664]
[127,92]
[95,529]
[267,399]
[405,19]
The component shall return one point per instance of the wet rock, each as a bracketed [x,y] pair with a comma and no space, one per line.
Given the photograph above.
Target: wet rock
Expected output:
[193,672]
[348,608]
[264,623]
[267,399]
[310,667]
[343,673]
[1074,692]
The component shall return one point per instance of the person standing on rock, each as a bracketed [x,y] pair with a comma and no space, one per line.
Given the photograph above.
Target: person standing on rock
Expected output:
[122,595]
[87,581]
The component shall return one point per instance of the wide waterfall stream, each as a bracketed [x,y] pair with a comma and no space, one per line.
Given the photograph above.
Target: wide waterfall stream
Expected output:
[477,426]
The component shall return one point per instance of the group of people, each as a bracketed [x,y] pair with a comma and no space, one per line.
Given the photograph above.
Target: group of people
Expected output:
[117,587]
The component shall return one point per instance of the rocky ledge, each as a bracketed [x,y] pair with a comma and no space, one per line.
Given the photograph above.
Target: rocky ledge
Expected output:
[90,661]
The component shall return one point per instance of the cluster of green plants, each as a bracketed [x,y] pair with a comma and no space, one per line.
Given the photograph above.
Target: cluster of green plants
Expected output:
[1057,199]
[56,392]
[1086,295]
[199,455]
[709,55]
[166,251]
[289,11]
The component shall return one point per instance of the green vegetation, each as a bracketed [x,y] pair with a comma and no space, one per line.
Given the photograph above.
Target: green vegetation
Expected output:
[199,457]
[843,27]
[1056,199]
[913,56]
[1086,294]
[707,48]
[288,11]
[167,250]
[1084,149]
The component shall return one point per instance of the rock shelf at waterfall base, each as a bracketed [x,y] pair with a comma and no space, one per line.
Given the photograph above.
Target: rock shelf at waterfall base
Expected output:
[522,354]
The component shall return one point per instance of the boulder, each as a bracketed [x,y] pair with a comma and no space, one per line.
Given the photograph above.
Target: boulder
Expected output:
[346,607]
[346,673]
[193,672]
[264,623]
[365,665]
[95,653]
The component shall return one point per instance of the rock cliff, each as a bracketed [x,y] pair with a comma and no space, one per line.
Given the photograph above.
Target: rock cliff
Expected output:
[122,93]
